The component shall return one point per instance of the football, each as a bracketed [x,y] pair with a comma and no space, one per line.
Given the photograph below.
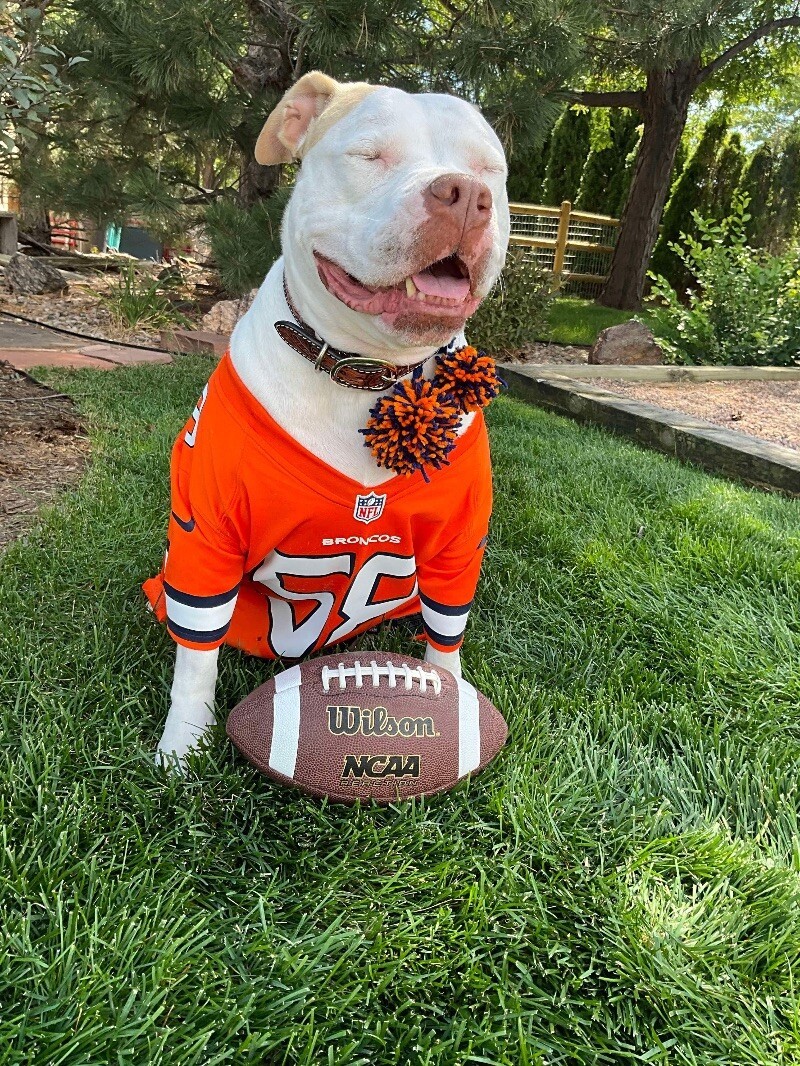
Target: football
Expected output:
[367,726]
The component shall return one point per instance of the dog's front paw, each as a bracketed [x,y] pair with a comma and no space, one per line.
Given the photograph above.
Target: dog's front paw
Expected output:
[449,660]
[182,735]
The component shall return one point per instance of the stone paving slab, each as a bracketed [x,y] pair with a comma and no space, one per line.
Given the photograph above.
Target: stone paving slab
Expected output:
[195,340]
[25,358]
[97,356]
[126,356]
[19,335]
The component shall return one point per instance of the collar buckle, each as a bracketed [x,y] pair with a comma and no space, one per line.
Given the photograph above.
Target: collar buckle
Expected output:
[364,365]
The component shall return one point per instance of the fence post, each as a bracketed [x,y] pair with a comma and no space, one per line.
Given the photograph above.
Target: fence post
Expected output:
[561,240]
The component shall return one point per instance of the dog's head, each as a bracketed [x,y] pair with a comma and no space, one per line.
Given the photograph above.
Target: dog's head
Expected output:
[398,224]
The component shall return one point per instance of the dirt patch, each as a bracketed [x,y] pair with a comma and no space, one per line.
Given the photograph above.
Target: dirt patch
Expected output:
[769,410]
[43,449]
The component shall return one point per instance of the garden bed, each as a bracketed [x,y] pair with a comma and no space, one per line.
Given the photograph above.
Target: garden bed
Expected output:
[80,308]
[87,306]
[769,410]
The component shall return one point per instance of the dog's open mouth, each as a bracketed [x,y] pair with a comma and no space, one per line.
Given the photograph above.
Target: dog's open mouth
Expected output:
[442,288]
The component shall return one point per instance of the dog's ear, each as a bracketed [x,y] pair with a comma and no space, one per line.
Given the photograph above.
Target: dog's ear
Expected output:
[285,135]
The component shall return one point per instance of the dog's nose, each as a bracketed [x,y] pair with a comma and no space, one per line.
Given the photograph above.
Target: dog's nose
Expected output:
[461,195]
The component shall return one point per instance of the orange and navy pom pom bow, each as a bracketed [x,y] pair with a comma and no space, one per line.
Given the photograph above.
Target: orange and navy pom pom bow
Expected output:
[416,425]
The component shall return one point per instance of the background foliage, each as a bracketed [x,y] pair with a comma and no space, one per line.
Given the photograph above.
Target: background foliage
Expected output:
[162,102]
[745,306]
[517,309]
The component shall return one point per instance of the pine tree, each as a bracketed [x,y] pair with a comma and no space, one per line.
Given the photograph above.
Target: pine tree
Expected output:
[526,170]
[606,173]
[786,193]
[630,133]
[691,192]
[756,185]
[569,147]
[726,178]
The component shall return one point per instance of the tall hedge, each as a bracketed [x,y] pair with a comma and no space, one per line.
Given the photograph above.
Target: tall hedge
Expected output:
[756,184]
[727,177]
[569,147]
[691,192]
[608,167]
[785,214]
[526,170]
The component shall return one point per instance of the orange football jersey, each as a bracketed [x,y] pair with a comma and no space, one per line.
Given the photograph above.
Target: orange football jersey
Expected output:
[273,551]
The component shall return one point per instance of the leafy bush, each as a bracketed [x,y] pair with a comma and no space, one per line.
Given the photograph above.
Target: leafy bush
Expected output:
[516,310]
[746,307]
[245,243]
[142,301]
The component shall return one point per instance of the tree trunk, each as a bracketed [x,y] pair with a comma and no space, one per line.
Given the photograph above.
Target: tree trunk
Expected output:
[666,106]
[263,70]
[255,182]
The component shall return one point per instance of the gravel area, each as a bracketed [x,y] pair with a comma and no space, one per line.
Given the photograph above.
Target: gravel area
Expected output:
[557,354]
[766,409]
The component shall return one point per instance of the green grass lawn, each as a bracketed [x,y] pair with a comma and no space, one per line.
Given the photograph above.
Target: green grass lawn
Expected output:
[622,885]
[576,321]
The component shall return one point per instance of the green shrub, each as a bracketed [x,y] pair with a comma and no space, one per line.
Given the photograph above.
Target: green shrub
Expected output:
[516,310]
[245,243]
[746,307]
[142,302]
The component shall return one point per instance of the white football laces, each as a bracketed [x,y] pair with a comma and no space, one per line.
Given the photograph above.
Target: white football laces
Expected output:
[409,675]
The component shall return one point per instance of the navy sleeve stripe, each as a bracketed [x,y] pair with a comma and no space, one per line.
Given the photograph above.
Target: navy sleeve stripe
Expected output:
[443,608]
[200,601]
[440,638]
[196,636]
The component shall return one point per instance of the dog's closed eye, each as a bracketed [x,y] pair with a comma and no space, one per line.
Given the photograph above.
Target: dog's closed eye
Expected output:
[371,153]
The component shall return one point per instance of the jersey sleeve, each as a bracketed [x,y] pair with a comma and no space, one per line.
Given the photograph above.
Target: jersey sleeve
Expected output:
[447,581]
[201,579]
[205,558]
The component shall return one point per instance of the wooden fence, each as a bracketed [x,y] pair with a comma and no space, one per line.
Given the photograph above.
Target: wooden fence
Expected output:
[574,246]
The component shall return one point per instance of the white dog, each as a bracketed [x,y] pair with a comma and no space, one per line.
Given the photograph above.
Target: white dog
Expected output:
[278,542]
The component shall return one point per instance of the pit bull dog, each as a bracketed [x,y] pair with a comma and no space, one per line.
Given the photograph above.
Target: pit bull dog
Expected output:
[286,536]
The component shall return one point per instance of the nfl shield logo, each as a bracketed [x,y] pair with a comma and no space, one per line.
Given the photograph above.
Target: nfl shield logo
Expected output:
[369,507]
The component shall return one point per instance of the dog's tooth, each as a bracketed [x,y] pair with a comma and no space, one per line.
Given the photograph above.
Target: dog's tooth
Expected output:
[411,288]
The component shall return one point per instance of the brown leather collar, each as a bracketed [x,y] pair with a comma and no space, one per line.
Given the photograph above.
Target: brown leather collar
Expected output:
[345,368]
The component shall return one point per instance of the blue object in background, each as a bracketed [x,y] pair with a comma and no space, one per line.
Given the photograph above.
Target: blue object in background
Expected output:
[135,241]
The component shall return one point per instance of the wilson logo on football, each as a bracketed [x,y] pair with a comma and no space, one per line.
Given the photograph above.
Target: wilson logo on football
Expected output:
[380,766]
[369,508]
[352,721]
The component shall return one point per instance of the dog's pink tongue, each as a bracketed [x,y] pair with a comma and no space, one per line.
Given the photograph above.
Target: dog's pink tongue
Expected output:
[446,286]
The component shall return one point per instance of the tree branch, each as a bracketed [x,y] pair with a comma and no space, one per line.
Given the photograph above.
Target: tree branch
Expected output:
[632,98]
[736,49]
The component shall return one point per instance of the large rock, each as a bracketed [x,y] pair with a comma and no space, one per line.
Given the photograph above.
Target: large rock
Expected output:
[224,315]
[27,276]
[627,344]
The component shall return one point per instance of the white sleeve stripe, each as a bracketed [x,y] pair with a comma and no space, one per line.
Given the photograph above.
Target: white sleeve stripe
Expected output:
[469,728]
[285,730]
[200,619]
[449,625]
